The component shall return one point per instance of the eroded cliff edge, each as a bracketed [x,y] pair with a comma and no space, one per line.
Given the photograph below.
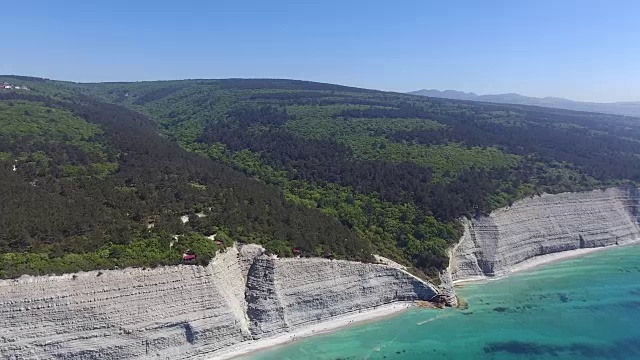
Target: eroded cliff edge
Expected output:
[188,312]
[492,245]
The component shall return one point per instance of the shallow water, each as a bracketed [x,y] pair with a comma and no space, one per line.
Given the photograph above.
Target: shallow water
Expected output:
[582,308]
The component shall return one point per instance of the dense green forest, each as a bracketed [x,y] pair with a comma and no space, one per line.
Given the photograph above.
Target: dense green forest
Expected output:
[325,168]
[90,185]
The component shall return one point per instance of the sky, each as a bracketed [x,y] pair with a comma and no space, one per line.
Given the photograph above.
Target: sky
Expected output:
[584,50]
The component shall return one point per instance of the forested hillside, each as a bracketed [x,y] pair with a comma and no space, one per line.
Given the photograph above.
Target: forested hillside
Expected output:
[337,170]
[89,185]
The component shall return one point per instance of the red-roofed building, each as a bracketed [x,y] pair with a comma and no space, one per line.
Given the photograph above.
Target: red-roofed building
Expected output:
[188,257]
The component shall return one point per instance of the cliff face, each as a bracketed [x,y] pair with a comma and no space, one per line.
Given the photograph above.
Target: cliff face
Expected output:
[187,311]
[543,225]
[297,293]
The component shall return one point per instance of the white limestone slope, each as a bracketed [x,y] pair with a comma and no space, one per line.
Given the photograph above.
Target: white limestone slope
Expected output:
[287,297]
[123,314]
[513,237]
[188,312]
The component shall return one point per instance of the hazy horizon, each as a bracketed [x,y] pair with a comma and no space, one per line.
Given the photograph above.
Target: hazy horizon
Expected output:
[577,50]
[525,95]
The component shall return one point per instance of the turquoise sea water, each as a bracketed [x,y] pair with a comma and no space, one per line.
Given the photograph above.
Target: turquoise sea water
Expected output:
[582,308]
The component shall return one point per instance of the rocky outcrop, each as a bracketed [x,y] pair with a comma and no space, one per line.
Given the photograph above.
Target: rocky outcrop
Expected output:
[547,224]
[447,290]
[188,312]
[263,300]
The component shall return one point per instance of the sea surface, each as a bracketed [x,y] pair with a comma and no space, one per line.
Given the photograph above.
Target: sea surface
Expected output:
[581,308]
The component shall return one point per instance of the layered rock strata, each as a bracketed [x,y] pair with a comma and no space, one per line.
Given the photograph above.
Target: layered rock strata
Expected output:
[188,312]
[287,297]
[547,224]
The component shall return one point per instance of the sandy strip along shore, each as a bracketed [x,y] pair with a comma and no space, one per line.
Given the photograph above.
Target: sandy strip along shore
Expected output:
[312,330]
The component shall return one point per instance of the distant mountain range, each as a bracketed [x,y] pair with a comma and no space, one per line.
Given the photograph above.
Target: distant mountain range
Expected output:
[620,108]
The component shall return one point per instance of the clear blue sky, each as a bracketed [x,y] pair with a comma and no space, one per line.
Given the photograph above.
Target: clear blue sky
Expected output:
[584,50]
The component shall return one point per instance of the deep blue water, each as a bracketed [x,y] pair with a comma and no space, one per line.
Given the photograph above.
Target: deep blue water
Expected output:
[582,308]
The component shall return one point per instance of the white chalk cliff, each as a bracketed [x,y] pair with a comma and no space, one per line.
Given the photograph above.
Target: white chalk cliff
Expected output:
[492,245]
[188,312]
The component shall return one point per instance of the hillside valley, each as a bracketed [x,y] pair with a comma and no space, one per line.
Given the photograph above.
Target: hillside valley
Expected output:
[331,171]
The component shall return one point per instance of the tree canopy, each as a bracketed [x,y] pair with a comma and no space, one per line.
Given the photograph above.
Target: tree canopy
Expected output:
[288,164]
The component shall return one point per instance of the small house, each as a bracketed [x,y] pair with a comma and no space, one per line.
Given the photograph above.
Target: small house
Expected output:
[187,257]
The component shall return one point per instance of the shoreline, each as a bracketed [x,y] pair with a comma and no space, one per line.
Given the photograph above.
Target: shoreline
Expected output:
[248,347]
[541,260]
[380,312]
